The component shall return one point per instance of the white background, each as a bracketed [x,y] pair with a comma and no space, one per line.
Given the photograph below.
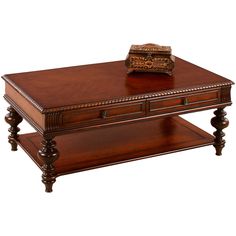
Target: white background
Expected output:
[186,193]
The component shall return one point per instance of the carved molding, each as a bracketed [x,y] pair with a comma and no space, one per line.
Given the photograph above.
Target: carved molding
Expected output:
[136,97]
[118,100]
[225,94]
[53,120]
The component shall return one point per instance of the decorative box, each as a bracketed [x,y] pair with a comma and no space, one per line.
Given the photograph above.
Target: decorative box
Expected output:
[150,58]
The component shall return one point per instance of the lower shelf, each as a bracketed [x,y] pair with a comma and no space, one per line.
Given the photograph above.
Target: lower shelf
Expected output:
[116,144]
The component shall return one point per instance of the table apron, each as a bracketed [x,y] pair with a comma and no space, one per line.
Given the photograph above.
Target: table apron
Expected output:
[67,121]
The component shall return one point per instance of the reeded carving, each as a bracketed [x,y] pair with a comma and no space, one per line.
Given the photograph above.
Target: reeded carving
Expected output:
[13,119]
[48,154]
[225,94]
[53,120]
[219,122]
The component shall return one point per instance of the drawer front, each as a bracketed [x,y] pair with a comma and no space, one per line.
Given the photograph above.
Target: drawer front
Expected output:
[104,114]
[185,102]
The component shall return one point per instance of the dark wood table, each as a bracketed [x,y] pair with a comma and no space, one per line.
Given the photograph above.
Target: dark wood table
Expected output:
[96,115]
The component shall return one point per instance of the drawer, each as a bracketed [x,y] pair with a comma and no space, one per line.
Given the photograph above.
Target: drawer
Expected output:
[187,101]
[104,114]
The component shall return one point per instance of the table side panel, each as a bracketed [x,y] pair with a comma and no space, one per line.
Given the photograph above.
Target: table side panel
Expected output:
[226,94]
[25,106]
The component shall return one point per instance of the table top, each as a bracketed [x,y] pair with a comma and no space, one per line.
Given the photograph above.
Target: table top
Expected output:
[106,83]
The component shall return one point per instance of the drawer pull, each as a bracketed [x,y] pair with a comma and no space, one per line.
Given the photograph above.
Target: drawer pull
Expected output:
[103,114]
[185,101]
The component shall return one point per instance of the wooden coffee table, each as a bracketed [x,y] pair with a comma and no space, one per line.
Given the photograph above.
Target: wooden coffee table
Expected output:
[96,115]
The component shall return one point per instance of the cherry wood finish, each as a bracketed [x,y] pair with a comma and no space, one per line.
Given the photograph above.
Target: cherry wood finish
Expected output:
[13,119]
[32,113]
[48,154]
[79,107]
[90,84]
[111,145]
[219,122]
[65,100]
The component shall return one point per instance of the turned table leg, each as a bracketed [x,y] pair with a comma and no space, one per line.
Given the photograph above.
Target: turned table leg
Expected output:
[13,119]
[48,154]
[219,122]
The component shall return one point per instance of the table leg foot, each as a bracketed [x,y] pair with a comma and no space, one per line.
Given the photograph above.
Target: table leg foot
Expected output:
[219,122]
[13,119]
[48,154]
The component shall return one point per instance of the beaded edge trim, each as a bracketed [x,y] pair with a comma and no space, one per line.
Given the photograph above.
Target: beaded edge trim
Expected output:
[117,100]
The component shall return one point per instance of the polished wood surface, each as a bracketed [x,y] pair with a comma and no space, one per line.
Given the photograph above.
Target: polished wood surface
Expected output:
[220,123]
[123,117]
[25,105]
[105,146]
[48,154]
[104,81]
[13,119]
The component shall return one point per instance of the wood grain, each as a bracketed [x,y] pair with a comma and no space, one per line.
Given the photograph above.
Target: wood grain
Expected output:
[123,117]
[25,106]
[117,144]
[106,83]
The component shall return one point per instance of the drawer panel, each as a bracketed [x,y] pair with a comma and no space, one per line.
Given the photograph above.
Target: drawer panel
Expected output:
[104,113]
[163,104]
[124,110]
[188,101]
[80,116]
[206,97]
